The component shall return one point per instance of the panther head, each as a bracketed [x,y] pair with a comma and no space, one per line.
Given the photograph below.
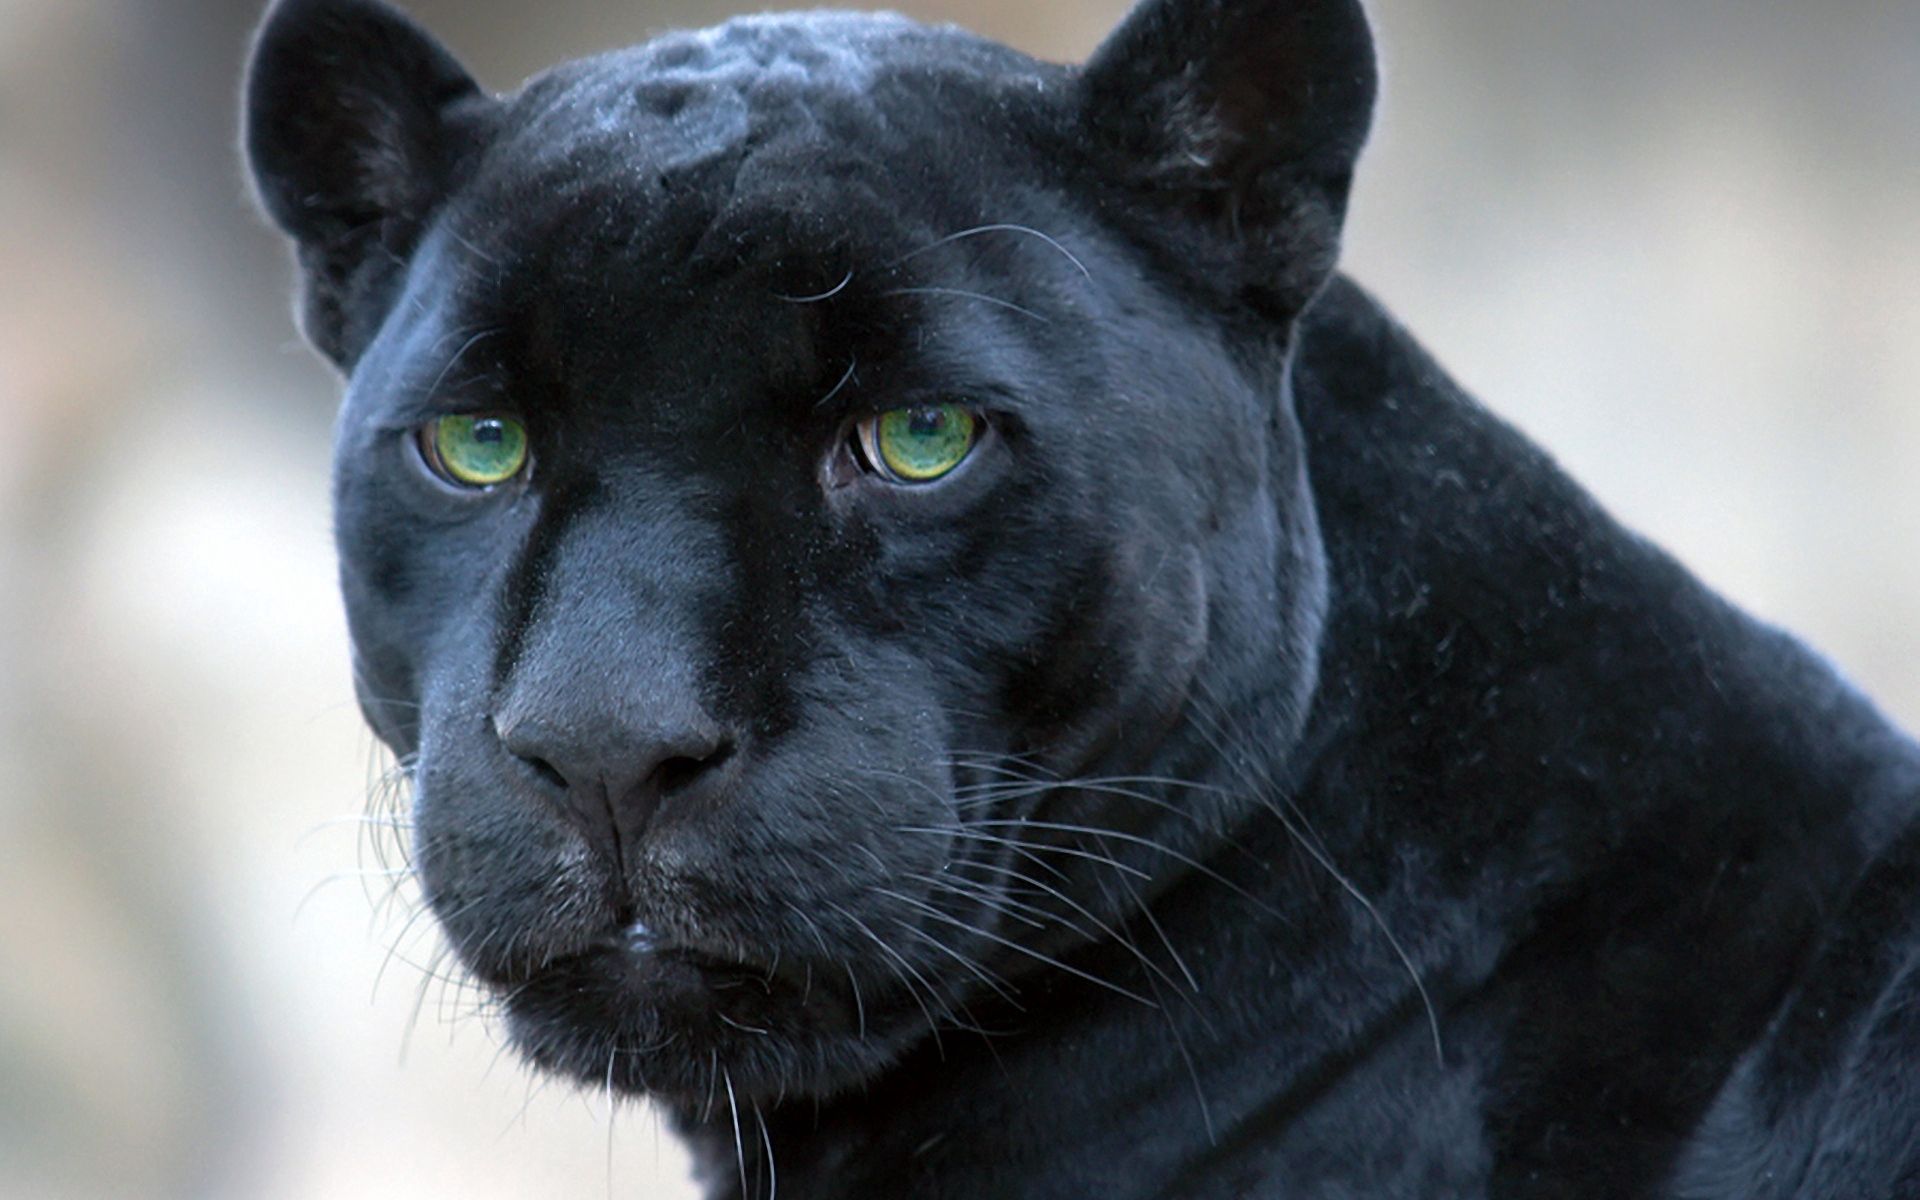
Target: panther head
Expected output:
[786,469]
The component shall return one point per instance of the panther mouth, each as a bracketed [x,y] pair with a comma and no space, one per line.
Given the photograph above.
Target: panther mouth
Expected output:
[644,961]
[642,1015]
[724,968]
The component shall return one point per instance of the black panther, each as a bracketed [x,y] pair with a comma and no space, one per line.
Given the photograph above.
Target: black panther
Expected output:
[933,634]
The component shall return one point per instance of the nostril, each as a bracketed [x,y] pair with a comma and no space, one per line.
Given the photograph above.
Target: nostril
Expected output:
[677,772]
[528,748]
[545,770]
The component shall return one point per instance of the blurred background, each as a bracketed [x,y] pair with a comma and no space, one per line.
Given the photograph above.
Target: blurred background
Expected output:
[1679,243]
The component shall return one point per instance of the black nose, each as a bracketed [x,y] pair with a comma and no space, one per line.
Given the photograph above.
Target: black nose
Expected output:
[609,775]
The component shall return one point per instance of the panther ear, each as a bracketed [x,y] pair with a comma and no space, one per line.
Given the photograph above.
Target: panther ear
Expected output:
[356,120]
[1247,116]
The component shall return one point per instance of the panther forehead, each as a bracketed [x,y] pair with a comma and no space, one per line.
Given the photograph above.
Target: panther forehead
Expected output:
[845,84]
[792,149]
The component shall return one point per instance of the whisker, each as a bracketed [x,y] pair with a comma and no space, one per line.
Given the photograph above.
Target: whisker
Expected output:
[612,1057]
[1017,948]
[1119,936]
[907,980]
[968,295]
[469,344]
[1210,728]
[1013,785]
[996,982]
[1137,840]
[965,833]
[1146,912]
[766,1140]
[1003,227]
[739,1151]
[829,294]
[967,889]
[1167,1014]
[846,377]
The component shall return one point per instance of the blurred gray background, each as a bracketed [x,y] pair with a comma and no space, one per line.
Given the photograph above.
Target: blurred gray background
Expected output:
[1677,242]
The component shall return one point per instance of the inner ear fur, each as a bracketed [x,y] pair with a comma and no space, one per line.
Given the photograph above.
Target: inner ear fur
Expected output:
[1245,118]
[356,120]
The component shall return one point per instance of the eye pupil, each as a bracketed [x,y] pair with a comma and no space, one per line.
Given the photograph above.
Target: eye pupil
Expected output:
[926,422]
[489,431]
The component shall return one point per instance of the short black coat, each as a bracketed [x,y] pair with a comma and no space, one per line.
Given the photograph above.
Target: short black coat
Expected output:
[1256,771]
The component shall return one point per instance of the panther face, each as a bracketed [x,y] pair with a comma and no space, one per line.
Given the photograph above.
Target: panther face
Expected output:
[776,463]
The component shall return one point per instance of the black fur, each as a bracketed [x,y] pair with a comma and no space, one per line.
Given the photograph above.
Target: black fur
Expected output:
[1256,772]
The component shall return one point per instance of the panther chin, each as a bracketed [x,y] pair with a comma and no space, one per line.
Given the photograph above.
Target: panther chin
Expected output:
[684,1025]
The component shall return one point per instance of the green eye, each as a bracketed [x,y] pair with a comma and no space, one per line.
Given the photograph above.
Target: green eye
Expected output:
[918,444]
[475,451]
